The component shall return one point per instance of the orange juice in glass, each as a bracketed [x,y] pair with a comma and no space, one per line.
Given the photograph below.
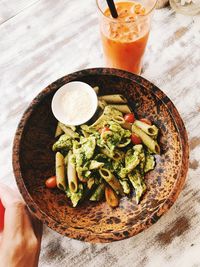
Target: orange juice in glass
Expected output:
[124,39]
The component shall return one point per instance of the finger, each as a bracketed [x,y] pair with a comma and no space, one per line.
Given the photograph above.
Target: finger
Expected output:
[9,196]
[16,221]
[15,208]
[37,226]
[16,214]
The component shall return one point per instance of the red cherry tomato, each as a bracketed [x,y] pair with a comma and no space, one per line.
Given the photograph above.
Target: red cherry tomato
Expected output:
[104,129]
[146,121]
[129,117]
[2,210]
[136,140]
[51,182]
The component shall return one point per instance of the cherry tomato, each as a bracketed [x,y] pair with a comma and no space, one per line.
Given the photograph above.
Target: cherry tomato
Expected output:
[136,140]
[104,129]
[146,121]
[51,182]
[2,210]
[129,117]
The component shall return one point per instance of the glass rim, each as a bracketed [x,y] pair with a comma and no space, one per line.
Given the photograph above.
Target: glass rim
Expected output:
[138,16]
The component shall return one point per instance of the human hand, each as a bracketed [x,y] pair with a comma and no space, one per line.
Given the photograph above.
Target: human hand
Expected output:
[22,233]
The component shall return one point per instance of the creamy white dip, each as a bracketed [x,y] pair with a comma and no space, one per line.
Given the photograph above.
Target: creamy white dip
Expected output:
[74,103]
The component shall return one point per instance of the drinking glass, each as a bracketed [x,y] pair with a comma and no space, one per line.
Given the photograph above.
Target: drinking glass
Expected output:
[124,39]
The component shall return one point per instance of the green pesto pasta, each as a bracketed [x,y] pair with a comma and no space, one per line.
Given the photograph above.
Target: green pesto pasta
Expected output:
[122,108]
[60,171]
[71,174]
[114,99]
[68,130]
[101,159]
[151,130]
[147,140]
[111,180]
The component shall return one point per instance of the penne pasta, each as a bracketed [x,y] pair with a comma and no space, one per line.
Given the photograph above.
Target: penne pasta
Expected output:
[121,108]
[68,130]
[118,155]
[154,136]
[118,119]
[96,89]
[108,156]
[59,131]
[108,114]
[148,129]
[60,171]
[73,128]
[100,121]
[113,99]
[66,160]
[85,134]
[111,180]
[125,143]
[95,165]
[71,174]
[110,111]
[98,193]
[102,104]
[147,140]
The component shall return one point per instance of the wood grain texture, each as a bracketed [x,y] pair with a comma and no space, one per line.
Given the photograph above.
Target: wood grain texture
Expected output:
[52,38]
[10,9]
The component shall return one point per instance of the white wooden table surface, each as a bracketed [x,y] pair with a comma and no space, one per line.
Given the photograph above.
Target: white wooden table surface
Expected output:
[42,40]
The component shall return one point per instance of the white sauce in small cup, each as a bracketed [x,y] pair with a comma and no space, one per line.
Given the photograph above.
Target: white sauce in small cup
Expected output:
[74,103]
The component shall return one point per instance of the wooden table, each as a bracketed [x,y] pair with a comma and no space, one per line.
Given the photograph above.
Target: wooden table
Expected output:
[42,40]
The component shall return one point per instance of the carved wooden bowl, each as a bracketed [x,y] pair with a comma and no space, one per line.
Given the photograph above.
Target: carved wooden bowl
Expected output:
[33,162]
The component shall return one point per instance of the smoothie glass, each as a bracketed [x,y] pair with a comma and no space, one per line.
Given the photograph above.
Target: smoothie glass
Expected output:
[124,39]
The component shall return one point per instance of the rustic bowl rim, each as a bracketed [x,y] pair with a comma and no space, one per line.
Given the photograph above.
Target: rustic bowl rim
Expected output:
[178,185]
